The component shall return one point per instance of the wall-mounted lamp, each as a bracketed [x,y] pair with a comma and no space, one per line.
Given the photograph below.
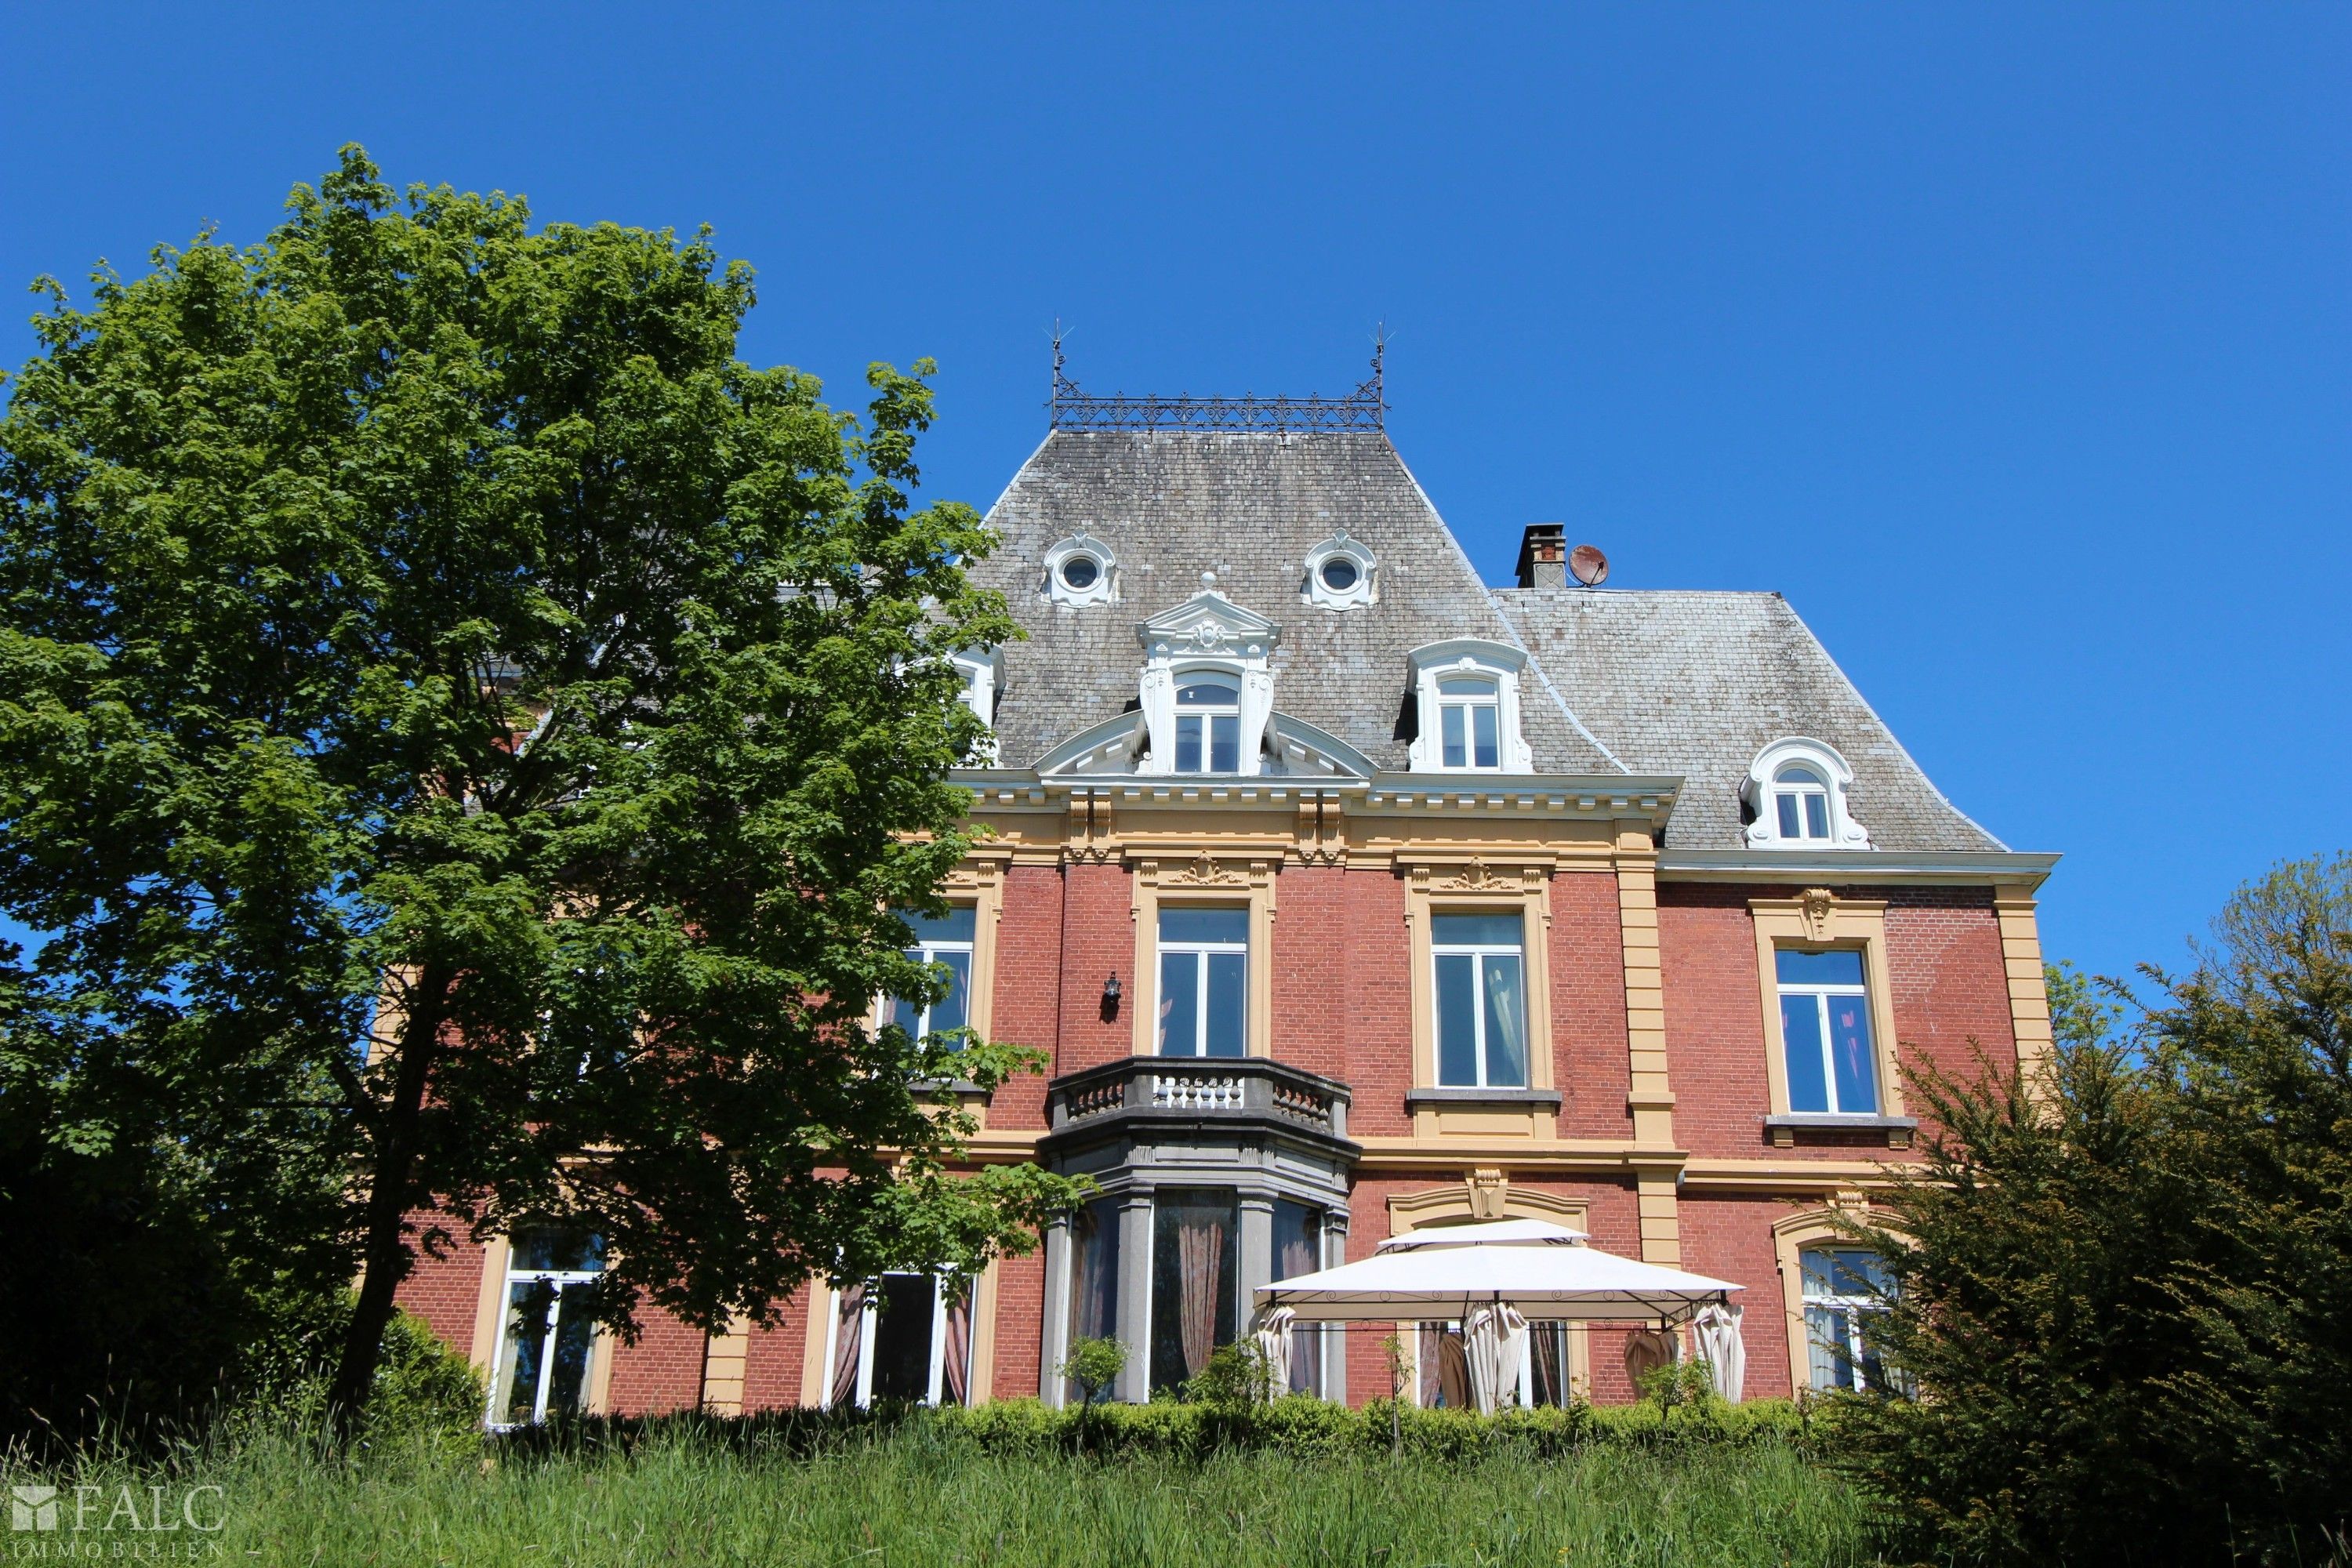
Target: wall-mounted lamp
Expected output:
[1110,997]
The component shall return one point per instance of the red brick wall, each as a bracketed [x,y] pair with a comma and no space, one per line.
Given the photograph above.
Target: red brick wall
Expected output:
[445,1291]
[661,1371]
[1097,941]
[1590,1067]
[1028,991]
[1370,967]
[1731,1238]
[1943,949]
[772,1361]
[1313,966]
[1715,1019]
[1020,1325]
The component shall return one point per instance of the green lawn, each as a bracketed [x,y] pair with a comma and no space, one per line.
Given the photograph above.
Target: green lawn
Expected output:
[680,1499]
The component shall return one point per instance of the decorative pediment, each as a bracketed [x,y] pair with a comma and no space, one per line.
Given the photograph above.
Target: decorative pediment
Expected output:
[1209,623]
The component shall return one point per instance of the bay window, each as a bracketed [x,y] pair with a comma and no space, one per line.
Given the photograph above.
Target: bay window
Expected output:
[1195,1280]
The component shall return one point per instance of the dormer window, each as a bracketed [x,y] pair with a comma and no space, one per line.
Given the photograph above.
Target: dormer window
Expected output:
[1796,793]
[1081,571]
[1466,693]
[1340,574]
[1208,722]
[983,670]
[1469,719]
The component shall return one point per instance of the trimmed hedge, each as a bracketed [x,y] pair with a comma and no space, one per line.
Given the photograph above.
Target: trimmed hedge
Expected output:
[1300,1425]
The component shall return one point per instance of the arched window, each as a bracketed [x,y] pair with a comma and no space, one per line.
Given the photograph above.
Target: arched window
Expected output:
[1844,1289]
[1208,722]
[1796,793]
[1467,696]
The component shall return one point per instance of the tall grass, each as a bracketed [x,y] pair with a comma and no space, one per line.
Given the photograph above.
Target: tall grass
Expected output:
[914,1499]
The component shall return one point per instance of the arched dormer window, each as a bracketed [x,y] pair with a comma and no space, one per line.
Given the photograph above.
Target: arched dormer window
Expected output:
[1467,696]
[1208,722]
[1796,789]
[983,670]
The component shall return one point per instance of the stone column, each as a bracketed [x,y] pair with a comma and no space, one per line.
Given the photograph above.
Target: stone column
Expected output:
[1054,1343]
[1134,1310]
[1335,1335]
[1257,1253]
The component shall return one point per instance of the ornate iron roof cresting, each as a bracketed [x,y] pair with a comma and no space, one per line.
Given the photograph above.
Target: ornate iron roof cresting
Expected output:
[1361,411]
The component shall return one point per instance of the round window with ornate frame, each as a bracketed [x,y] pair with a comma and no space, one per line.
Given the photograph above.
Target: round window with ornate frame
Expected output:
[1081,570]
[1341,575]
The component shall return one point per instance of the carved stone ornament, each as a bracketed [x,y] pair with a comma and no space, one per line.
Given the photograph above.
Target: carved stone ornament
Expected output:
[1814,906]
[1479,878]
[1489,1189]
[1203,871]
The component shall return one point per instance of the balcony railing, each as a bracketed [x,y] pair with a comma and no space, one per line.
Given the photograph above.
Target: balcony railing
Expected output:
[1209,1087]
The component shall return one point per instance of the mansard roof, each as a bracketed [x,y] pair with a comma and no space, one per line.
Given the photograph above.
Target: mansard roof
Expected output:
[1248,507]
[1688,684]
[1698,683]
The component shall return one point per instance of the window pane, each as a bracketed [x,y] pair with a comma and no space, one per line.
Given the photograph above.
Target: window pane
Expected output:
[1451,728]
[568,1380]
[950,1012]
[1797,773]
[1209,693]
[1825,1327]
[1186,924]
[1485,754]
[1188,743]
[1298,1250]
[1227,989]
[1836,966]
[1857,1077]
[1800,1029]
[1194,1281]
[1787,803]
[956,925]
[1094,1270]
[1457,1021]
[1507,1022]
[1475,931]
[1225,745]
[1817,817]
[1180,1005]
[527,1302]
[550,1250]
[1466,686]
[902,1338]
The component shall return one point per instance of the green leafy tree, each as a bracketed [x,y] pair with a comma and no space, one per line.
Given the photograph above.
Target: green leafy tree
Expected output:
[2124,1290]
[462,728]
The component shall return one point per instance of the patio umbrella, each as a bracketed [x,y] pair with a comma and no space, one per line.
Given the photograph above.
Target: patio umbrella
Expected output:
[1718,1331]
[1445,1273]
[1494,1342]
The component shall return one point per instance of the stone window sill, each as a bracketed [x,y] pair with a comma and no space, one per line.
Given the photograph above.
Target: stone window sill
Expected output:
[1783,1130]
[1517,1099]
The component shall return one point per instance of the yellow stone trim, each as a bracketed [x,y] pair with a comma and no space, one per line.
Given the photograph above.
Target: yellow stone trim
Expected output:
[1790,1237]
[723,1359]
[1815,919]
[2029,997]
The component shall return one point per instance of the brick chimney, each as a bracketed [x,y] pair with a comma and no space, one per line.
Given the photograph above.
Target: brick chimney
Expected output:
[1543,555]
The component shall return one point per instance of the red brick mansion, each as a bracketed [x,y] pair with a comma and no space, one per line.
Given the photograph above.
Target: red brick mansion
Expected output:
[1350,894]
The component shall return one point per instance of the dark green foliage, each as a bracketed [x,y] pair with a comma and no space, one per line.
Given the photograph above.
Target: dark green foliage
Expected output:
[455,715]
[2127,1296]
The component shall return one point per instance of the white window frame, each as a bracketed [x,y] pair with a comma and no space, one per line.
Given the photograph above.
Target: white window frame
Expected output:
[1229,681]
[1103,590]
[1850,1311]
[1497,662]
[869,1322]
[927,950]
[1478,952]
[1820,992]
[1162,948]
[1488,699]
[983,673]
[562,1279]
[1763,788]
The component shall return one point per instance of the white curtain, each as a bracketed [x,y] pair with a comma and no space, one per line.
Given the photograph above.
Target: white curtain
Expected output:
[1495,1342]
[1721,1346]
[1273,1344]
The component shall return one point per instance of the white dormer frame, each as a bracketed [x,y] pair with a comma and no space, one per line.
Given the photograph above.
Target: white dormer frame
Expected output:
[1339,547]
[983,669]
[1763,775]
[1103,590]
[1498,662]
[1207,631]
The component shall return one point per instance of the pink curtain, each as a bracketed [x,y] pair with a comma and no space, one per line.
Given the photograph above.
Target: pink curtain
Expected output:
[1200,1254]
[850,1331]
[1444,1369]
[955,1356]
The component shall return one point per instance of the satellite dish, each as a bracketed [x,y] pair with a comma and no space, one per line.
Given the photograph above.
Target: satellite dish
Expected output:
[1591,567]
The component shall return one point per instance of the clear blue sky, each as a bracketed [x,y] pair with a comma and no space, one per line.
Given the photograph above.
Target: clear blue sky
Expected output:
[2014,345]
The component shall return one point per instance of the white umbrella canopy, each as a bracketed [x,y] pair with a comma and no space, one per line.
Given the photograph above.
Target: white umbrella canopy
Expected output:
[1447,1272]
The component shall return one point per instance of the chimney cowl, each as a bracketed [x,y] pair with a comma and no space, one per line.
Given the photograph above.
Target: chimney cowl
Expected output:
[1543,555]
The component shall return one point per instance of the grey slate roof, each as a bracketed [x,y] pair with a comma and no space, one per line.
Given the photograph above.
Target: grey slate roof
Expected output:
[1680,683]
[1698,683]
[1249,508]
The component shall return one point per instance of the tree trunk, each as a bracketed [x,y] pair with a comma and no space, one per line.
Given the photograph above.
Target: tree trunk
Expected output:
[383,1251]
